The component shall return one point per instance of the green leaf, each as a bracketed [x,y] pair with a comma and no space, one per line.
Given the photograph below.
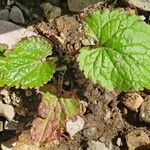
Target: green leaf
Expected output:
[122,61]
[53,112]
[26,64]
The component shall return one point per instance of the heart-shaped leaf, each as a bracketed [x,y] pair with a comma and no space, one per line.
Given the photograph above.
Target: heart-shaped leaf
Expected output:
[26,64]
[123,58]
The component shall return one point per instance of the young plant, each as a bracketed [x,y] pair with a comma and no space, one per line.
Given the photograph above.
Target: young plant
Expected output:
[122,61]
[27,65]
[54,112]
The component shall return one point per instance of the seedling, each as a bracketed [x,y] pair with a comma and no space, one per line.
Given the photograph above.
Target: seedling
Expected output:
[122,61]
[26,65]
[54,112]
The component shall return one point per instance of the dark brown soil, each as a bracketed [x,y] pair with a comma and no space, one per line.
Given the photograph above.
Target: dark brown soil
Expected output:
[106,119]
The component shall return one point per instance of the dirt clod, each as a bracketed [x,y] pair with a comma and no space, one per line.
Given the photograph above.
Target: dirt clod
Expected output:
[132,100]
[137,139]
[96,145]
[145,111]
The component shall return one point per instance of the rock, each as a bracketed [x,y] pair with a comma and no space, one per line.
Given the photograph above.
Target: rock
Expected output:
[142,17]
[90,132]
[4,14]
[6,98]
[142,4]
[97,145]
[16,15]
[72,127]
[107,115]
[10,33]
[10,2]
[1,126]
[119,142]
[54,2]
[7,111]
[79,5]
[9,145]
[88,41]
[23,8]
[51,11]
[28,92]
[11,125]
[15,100]
[137,139]
[132,100]
[14,125]
[85,42]
[145,111]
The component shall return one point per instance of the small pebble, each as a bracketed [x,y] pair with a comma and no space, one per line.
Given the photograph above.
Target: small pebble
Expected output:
[76,46]
[145,111]
[14,125]
[119,142]
[102,139]
[7,111]
[10,2]
[88,41]
[90,132]
[1,126]
[72,127]
[137,139]
[10,125]
[51,11]
[132,101]
[108,115]
[15,100]
[142,4]
[97,145]
[9,145]
[5,94]
[142,17]
[4,14]
[85,42]
[28,93]
[16,15]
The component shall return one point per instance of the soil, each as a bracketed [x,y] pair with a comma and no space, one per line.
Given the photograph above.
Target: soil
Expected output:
[106,118]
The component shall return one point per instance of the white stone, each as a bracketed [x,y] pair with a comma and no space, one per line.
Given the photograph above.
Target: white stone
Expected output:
[10,33]
[97,145]
[72,127]
[16,15]
[7,111]
[142,4]
[9,145]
